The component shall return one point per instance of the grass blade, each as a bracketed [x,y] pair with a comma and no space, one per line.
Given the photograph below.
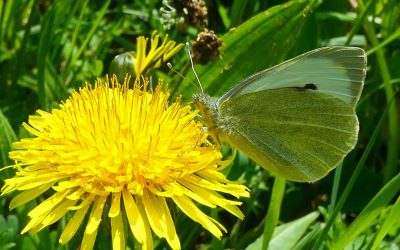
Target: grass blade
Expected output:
[95,26]
[391,219]
[393,150]
[7,136]
[370,212]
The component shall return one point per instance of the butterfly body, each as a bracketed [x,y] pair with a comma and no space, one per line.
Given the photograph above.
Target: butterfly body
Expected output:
[299,126]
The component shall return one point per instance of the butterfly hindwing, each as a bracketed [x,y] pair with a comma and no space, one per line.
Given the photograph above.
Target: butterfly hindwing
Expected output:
[298,134]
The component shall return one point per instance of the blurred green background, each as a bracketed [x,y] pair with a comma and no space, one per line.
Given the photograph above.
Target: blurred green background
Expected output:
[50,48]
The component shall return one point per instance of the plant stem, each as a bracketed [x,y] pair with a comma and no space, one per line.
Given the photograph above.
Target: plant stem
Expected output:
[274,208]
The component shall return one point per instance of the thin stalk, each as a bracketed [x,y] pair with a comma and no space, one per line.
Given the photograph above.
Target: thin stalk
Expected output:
[21,51]
[335,188]
[274,209]
[359,21]
[388,40]
[75,34]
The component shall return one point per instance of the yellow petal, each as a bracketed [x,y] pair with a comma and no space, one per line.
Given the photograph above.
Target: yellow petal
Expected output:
[59,211]
[115,205]
[87,201]
[35,221]
[73,224]
[173,51]
[160,218]
[134,217]
[30,182]
[141,43]
[30,129]
[68,184]
[199,197]
[117,232]
[29,195]
[90,234]
[191,210]
[215,198]
[48,205]
[148,241]
[76,195]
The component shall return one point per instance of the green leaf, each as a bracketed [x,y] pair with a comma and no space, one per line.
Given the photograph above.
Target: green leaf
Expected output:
[307,240]
[258,43]
[287,235]
[7,136]
[8,231]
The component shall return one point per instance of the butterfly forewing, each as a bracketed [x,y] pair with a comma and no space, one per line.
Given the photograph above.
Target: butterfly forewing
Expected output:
[338,71]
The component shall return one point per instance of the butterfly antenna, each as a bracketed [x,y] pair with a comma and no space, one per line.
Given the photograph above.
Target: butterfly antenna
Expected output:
[191,62]
[176,72]
[179,74]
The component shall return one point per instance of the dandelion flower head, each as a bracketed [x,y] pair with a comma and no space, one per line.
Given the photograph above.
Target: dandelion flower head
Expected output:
[129,149]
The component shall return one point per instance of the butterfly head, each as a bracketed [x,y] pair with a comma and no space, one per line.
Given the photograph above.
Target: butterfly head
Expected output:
[208,108]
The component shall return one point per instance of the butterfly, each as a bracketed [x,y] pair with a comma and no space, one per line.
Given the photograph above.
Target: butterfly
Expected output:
[296,119]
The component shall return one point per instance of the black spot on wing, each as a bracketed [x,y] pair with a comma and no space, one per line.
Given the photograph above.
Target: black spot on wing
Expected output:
[308,86]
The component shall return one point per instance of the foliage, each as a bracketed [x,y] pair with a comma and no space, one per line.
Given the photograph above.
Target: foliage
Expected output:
[48,48]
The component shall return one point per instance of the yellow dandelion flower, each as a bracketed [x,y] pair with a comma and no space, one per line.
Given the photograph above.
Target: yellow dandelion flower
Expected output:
[144,60]
[126,149]
[157,54]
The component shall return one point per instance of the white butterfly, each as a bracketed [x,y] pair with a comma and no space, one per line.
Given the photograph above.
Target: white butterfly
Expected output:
[296,119]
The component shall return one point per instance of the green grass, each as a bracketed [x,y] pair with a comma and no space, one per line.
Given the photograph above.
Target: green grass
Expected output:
[50,48]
